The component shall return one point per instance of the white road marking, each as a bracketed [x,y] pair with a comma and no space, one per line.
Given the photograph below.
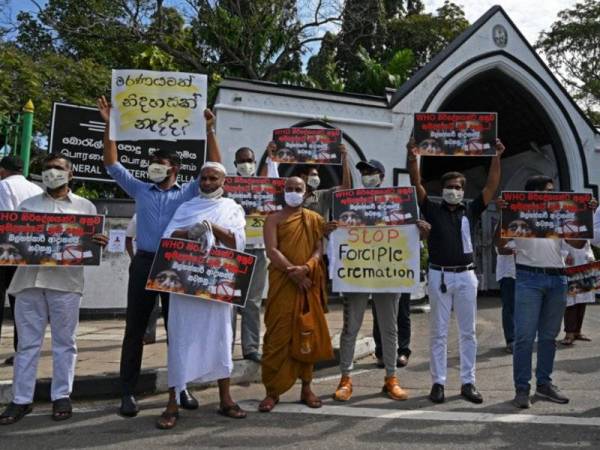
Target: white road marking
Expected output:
[448,416]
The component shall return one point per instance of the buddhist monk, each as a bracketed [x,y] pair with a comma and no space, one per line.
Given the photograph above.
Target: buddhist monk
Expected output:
[296,283]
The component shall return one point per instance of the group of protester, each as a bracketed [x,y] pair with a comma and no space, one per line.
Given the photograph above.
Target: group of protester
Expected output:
[201,333]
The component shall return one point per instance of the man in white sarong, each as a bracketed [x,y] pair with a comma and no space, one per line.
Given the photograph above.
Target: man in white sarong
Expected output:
[200,335]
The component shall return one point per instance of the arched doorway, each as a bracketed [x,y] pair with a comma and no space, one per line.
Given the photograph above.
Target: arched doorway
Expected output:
[531,139]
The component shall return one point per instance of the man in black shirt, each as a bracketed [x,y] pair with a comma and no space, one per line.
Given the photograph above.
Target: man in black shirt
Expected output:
[452,279]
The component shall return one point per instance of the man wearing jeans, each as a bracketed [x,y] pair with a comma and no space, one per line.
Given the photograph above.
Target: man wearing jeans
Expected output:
[540,301]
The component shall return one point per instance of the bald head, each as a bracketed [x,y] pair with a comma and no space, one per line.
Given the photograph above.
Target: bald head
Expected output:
[295,184]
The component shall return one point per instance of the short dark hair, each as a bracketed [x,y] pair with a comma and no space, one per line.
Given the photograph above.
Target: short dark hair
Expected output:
[54,156]
[169,155]
[537,182]
[451,176]
[243,149]
[12,163]
[303,169]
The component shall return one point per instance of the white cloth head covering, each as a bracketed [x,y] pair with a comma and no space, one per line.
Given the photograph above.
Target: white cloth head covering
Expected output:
[214,165]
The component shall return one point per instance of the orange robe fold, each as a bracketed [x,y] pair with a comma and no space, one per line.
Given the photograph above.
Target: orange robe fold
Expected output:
[297,237]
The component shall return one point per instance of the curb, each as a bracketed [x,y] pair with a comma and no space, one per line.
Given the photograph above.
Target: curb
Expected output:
[154,381]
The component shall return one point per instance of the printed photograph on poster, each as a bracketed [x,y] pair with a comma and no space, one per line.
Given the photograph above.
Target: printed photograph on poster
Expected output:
[456,133]
[375,207]
[307,145]
[375,259]
[116,241]
[259,196]
[77,132]
[583,278]
[184,267]
[151,105]
[48,239]
[534,214]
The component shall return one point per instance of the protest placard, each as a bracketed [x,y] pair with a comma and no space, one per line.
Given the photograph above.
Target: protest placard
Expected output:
[583,278]
[375,207]
[375,259]
[456,133]
[184,267]
[49,239]
[307,146]
[259,196]
[538,214]
[77,132]
[151,105]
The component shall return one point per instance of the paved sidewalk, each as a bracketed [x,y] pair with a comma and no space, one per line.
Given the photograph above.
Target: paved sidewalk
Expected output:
[99,343]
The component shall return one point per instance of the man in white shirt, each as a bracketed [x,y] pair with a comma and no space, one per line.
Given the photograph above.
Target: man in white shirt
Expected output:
[14,188]
[48,294]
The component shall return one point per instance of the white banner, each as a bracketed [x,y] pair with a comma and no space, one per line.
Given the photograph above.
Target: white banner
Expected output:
[150,105]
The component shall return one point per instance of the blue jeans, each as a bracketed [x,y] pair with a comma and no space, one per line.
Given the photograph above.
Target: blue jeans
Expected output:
[507,294]
[540,302]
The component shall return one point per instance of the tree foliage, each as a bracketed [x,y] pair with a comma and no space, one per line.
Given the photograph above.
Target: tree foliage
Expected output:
[572,49]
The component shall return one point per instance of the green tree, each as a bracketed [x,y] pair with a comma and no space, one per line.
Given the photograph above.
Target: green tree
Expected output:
[572,49]
[374,77]
[322,68]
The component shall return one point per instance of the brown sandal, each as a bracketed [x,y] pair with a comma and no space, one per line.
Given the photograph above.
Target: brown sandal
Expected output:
[167,420]
[582,337]
[232,411]
[567,341]
[268,404]
[312,401]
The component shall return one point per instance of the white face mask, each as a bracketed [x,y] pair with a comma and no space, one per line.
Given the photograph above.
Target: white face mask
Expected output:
[157,172]
[453,196]
[371,181]
[55,178]
[313,181]
[217,193]
[294,199]
[246,169]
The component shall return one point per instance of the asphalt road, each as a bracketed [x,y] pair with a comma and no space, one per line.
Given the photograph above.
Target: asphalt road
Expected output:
[369,420]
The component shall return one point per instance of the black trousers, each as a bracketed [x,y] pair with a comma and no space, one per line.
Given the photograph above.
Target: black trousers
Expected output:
[140,304]
[6,275]
[403,328]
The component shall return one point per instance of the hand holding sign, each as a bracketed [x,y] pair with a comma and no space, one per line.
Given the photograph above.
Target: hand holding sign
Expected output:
[151,105]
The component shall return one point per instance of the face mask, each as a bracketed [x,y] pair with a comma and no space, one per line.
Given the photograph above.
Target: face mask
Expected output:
[217,193]
[246,169]
[370,181]
[157,172]
[313,181]
[294,199]
[55,178]
[453,196]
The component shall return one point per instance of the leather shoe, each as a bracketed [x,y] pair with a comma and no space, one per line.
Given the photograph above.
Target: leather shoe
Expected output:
[9,361]
[254,356]
[129,407]
[402,361]
[437,393]
[187,400]
[470,393]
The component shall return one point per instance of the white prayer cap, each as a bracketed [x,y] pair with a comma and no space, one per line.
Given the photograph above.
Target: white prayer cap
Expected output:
[214,165]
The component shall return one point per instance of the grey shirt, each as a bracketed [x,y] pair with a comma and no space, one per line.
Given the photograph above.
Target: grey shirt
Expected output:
[319,201]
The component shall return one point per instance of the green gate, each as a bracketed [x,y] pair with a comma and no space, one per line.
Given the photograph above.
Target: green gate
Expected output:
[15,134]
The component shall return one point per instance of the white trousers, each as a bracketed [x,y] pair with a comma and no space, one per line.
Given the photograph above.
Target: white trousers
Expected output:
[460,295]
[34,308]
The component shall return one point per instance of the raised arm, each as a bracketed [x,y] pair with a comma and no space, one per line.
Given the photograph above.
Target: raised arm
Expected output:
[493,180]
[213,152]
[346,174]
[264,170]
[414,171]
[110,147]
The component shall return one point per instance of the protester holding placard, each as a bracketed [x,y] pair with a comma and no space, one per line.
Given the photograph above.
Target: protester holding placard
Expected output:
[245,164]
[579,252]
[296,329]
[14,188]
[155,204]
[540,300]
[452,279]
[48,294]
[319,200]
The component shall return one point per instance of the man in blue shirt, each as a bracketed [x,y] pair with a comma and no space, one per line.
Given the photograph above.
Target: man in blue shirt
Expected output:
[155,204]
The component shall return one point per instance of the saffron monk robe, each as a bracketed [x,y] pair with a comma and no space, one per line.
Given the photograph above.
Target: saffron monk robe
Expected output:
[296,329]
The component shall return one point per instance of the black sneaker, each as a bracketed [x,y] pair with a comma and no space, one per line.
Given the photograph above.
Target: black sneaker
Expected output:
[521,400]
[551,392]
